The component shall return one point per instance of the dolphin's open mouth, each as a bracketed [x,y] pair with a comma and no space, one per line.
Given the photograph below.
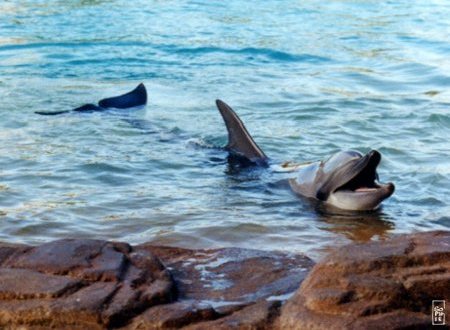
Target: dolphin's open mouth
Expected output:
[365,180]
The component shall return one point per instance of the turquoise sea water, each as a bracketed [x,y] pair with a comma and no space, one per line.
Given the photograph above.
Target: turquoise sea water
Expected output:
[308,78]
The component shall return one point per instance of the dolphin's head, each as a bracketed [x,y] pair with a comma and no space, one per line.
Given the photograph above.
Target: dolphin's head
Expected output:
[350,181]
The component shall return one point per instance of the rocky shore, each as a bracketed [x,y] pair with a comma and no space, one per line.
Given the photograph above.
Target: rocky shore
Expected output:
[92,284]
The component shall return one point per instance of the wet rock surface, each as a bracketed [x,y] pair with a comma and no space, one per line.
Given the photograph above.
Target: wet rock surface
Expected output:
[92,284]
[379,285]
[232,276]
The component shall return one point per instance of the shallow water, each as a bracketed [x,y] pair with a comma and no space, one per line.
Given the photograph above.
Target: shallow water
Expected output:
[307,78]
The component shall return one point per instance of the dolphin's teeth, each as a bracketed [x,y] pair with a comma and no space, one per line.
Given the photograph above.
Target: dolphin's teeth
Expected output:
[365,189]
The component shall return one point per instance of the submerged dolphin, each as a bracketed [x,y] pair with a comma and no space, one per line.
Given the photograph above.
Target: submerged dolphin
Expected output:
[137,97]
[347,180]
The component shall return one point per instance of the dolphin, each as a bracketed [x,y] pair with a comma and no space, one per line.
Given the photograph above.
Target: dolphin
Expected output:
[137,97]
[348,180]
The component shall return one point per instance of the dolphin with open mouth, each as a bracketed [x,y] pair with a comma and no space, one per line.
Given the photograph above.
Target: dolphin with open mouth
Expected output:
[136,98]
[347,180]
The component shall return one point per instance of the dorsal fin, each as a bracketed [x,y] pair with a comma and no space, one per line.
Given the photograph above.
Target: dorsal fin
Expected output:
[135,98]
[239,140]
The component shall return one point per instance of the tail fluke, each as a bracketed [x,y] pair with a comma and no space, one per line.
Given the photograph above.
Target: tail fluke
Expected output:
[89,107]
[51,113]
[137,97]
[239,140]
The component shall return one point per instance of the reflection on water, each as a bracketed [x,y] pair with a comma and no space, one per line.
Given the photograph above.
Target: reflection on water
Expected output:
[356,226]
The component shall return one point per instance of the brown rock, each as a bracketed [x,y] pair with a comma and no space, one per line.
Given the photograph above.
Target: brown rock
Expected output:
[89,259]
[79,283]
[58,257]
[11,250]
[89,284]
[28,284]
[92,284]
[378,285]
[15,313]
[124,304]
[84,306]
[399,319]
[257,316]
[173,316]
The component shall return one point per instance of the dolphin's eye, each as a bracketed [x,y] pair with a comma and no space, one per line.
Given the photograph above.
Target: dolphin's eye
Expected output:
[321,196]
